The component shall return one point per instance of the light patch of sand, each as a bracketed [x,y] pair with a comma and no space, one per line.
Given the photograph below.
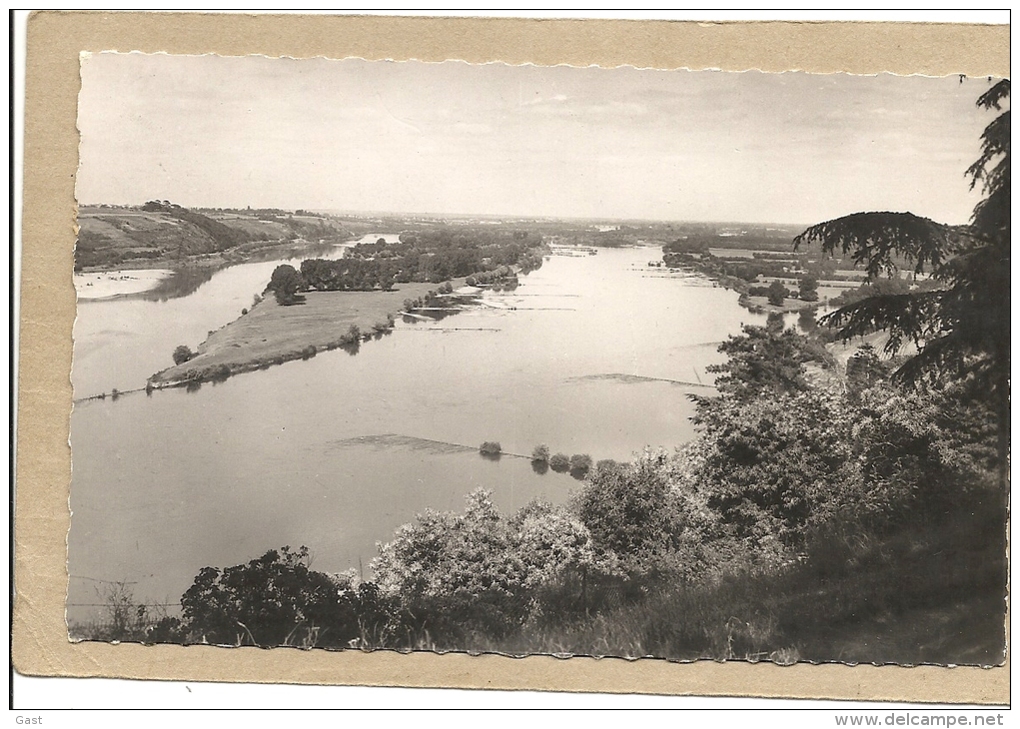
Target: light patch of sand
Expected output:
[106,284]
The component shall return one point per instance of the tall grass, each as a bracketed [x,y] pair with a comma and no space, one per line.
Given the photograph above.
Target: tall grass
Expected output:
[930,593]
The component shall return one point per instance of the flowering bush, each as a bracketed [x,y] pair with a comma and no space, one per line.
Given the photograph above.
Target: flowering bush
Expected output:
[480,572]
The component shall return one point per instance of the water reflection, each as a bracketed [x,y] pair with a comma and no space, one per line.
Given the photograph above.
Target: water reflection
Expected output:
[540,467]
[440,315]
[181,282]
[807,322]
[776,320]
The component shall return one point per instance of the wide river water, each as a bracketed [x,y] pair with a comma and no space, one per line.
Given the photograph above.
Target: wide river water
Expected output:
[337,451]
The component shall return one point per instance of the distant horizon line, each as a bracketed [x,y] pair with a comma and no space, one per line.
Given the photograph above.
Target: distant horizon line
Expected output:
[487,216]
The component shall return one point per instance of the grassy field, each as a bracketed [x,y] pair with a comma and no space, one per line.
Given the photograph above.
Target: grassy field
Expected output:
[272,334]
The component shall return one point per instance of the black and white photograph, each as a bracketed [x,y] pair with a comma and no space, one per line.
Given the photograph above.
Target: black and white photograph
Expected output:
[522,359]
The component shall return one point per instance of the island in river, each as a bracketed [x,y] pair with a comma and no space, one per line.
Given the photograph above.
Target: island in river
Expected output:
[336,303]
[270,333]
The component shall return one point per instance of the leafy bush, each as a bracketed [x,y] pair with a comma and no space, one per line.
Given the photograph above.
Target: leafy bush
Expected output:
[580,464]
[630,510]
[480,573]
[352,337]
[273,600]
[540,454]
[490,448]
[560,463]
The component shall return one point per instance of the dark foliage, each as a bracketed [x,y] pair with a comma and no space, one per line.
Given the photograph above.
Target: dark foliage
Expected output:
[182,354]
[630,509]
[808,289]
[434,256]
[961,328]
[777,293]
[490,449]
[285,284]
[580,465]
[273,600]
[765,360]
[560,462]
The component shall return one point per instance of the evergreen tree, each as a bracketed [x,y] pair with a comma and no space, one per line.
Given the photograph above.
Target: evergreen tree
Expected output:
[961,327]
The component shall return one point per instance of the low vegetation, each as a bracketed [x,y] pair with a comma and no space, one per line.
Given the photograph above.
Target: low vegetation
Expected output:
[560,462]
[490,449]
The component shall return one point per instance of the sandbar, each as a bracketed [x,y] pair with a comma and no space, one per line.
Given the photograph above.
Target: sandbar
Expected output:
[109,284]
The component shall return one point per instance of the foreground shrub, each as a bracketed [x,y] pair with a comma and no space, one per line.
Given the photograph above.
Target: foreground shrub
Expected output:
[273,600]
[480,573]
[631,511]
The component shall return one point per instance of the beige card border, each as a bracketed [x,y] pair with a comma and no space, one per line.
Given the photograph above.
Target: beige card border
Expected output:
[48,307]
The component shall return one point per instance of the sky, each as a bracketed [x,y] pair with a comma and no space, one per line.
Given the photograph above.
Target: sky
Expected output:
[528,141]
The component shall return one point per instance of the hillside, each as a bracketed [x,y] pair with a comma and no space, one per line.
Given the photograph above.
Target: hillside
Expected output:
[164,233]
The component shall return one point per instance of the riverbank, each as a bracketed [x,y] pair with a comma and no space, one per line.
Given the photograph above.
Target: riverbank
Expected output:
[272,334]
[245,253]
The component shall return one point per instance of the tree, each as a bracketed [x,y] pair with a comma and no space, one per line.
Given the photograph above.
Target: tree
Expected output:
[809,289]
[580,464]
[630,509]
[763,360]
[490,449]
[182,354]
[771,461]
[560,462]
[540,454]
[285,283]
[960,328]
[777,293]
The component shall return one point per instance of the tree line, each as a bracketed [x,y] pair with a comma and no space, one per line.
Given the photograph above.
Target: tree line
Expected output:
[430,256]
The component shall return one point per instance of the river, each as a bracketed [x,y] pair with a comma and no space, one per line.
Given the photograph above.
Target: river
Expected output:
[337,451]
